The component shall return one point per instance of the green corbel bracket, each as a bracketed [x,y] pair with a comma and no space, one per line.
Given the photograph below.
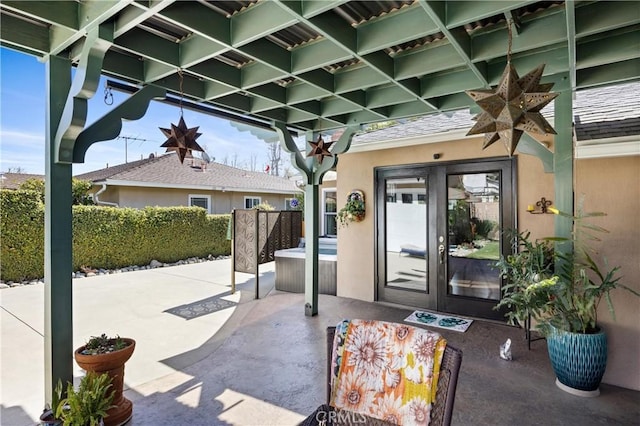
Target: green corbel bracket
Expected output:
[340,146]
[309,167]
[290,146]
[109,125]
[530,146]
[85,84]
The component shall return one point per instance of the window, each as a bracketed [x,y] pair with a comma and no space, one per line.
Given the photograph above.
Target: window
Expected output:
[287,204]
[407,198]
[251,202]
[329,212]
[204,201]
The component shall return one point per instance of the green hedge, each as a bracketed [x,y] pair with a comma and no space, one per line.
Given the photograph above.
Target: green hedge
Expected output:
[21,235]
[106,237]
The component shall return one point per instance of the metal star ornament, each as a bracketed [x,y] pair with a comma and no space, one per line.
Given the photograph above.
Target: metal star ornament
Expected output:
[512,108]
[181,139]
[320,149]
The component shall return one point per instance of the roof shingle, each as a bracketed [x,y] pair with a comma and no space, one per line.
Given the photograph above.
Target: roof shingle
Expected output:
[167,170]
[600,113]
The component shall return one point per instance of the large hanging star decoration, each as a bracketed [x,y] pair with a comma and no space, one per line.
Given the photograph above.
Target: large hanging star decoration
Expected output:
[512,108]
[181,139]
[320,149]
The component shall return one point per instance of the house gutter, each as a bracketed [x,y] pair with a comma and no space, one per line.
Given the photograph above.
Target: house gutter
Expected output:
[140,184]
[104,203]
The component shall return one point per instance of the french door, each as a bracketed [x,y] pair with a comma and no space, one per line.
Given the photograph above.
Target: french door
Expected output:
[439,232]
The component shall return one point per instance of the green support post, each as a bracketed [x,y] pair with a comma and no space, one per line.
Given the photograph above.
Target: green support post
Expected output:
[58,323]
[312,230]
[563,165]
[313,173]
[67,140]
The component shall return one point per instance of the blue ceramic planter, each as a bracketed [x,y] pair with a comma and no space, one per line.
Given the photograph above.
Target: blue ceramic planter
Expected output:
[579,360]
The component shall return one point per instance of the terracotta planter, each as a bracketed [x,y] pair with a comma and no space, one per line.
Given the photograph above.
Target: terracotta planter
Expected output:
[111,363]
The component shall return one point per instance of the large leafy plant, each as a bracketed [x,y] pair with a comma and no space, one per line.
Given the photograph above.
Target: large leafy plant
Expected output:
[531,263]
[89,404]
[568,296]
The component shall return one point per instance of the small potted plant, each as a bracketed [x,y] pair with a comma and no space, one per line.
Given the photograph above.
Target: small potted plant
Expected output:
[564,302]
[103,354]
[354,209]
[48,416]
[90,404]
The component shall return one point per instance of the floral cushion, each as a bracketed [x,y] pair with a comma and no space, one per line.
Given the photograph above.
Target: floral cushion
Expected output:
[386,370]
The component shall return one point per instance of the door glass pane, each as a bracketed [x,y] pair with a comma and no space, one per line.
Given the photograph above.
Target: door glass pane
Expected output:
[406,233]
[474,237]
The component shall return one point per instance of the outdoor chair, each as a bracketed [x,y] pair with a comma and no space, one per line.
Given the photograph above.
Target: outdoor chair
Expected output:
[441,408]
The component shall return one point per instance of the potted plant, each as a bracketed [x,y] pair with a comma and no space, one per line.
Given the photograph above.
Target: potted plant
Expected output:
[564,302]
[103,354]
[90,404]
[354,209]
[48,416]
[530,263]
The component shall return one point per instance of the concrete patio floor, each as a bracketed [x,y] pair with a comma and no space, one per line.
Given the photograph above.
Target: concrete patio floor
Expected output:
[262,362]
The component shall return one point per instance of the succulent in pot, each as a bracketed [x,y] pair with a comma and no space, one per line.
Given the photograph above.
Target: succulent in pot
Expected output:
[103,354]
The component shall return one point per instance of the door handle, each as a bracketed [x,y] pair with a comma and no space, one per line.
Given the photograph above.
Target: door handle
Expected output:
[441,253]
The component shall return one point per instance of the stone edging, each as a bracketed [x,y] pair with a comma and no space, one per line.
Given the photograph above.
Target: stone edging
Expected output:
[88,272]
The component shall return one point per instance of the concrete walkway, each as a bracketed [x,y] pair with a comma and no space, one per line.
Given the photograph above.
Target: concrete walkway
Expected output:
[175,314]
[238,361]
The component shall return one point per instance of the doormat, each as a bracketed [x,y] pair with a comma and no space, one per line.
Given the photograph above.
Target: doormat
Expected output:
[201,307]
[439,320]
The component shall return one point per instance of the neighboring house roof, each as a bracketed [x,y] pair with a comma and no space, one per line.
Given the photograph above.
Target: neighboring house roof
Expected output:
[167,172]
[14,180]
[599,113]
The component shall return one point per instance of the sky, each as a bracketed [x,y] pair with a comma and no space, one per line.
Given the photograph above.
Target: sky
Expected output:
[22,126]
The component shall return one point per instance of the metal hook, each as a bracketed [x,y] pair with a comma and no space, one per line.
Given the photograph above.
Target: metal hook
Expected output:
[108,96]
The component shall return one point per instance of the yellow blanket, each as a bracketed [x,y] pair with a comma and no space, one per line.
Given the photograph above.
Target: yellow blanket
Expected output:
[385,370]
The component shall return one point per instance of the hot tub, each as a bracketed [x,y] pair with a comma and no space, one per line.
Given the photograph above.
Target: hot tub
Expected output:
[290,268]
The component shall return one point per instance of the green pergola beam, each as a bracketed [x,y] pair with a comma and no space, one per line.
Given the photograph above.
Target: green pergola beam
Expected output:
[316,54]
[441,84]
[28,37]
[462,12]
[258,21]
[597,17]
[570,17]
[407,24]
[537,34]
[311,8]
[605,74]
[345,37]
[594,53]
[417,63]
[457,37]
[89,16]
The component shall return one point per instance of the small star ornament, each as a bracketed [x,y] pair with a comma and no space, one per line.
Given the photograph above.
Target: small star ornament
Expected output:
[512,108]
[181,139]
[320,149]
